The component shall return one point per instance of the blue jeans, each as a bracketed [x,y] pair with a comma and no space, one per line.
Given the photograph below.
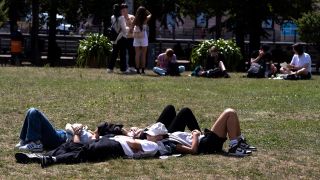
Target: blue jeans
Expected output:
[163,72]
[36,127]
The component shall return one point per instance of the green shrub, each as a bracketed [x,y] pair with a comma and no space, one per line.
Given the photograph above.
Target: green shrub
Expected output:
[228,48]
[308,27]
[93,51]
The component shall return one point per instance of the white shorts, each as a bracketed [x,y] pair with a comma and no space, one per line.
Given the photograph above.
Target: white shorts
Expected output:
[141,42]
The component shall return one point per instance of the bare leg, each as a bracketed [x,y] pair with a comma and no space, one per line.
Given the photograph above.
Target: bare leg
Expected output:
[273,68]
[143,58]
[302,71]
[221,65]
[138,52]
[285,71]
[227,123]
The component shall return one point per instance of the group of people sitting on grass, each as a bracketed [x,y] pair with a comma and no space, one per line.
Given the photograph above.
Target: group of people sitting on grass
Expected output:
[299,67]
[261,65]
[166,137]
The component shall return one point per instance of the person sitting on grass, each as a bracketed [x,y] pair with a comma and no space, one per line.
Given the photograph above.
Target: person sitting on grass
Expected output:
[167,64]
[300,66]
[196,142]
[101,149]
[258,64]
[213,65]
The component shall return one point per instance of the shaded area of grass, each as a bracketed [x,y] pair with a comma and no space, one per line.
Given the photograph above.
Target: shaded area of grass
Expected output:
[280,117]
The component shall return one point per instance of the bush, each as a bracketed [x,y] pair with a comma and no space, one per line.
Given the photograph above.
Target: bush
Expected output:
[308,27]
[228,48]
[93,51]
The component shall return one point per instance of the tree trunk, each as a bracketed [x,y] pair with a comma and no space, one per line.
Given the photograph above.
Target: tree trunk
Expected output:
[255,33]
[52,44]
[152,29]
[35,54]
[218,25]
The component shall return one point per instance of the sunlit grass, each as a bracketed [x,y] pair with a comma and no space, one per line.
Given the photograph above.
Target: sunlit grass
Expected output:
[281,118]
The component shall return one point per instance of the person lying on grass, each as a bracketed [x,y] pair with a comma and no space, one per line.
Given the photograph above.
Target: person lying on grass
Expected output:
[196,142]
[104,148]
[37,133]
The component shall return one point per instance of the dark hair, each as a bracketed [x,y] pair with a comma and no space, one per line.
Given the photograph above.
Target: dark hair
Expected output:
[116,11]
[298,48]
[141,16]
[265,47]
[123,6]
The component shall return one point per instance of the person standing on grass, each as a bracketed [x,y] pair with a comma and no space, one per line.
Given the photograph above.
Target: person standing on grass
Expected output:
[119,45]
[129,40]
[167,64]
[300,65]
[140,36]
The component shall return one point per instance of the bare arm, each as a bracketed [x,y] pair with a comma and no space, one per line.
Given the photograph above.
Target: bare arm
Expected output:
[134,145]
[77,134]
[149,15]
[255,60]
[194,146]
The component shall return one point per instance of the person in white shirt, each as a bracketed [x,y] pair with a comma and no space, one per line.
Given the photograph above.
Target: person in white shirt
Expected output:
[100,150]
[300,65]
[119,45]
[129,40]
[140,36]
[196,142]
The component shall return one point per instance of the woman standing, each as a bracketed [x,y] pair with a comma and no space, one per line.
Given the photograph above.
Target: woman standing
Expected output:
[119,44]
[140,36]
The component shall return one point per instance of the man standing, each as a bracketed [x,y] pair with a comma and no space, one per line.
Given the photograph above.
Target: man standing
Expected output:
[129,41]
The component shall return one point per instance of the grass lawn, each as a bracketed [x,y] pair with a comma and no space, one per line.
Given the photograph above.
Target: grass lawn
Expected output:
[281,118]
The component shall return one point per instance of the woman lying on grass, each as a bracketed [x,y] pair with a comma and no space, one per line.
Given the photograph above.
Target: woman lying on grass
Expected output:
[208,142]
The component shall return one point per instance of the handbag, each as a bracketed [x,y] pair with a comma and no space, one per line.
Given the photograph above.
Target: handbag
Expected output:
[255,70]
[111,33]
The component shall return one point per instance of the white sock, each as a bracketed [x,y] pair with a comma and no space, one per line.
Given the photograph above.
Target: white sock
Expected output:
[233,142]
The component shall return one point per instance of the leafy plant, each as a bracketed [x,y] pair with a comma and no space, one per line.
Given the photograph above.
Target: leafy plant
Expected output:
[3,12]
[228,48]
[308,27]
[93,51]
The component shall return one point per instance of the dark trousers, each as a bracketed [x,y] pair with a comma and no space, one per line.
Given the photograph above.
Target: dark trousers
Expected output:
[131,52]
[94,151]
[177,122]
[119,48]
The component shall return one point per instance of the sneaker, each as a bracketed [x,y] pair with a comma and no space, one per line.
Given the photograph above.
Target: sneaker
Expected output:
[245,145]
[132,70]
[21,143]
[32,147]
[46,161]
[25,158]
[238,151]
[109,70]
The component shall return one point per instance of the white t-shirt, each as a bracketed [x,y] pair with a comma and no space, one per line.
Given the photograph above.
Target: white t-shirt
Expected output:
[149,148]
[183,138]
[302,60]
[119,26]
